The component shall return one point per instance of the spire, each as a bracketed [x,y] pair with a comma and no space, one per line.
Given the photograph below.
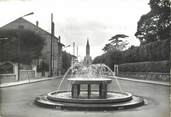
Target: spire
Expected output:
[88,43]
[88,48]
[87,58]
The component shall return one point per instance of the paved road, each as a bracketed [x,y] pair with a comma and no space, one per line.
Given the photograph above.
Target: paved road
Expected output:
[17,101]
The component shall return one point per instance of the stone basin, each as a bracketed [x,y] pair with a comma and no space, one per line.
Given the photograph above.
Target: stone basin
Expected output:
[89,80]
[77,82]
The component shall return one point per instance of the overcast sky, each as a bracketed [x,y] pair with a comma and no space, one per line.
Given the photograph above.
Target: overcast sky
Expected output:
[77,20]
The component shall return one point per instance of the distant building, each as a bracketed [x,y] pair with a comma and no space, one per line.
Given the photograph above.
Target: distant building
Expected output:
[21,23]
[87,58]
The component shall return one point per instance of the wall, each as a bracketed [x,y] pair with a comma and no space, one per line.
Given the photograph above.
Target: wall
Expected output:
[24,75]
[146,75]
[6,78]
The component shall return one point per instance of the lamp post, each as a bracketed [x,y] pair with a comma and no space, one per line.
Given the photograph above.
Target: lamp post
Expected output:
[19,43]
[31,13]
[51,47]
[66,47]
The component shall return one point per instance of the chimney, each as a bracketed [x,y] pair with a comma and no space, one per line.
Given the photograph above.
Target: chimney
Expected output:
[37,23]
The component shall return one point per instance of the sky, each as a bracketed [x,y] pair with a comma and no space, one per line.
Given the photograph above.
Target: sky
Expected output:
[79,20]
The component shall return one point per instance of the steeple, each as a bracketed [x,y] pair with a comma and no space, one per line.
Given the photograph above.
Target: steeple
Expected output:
[87,58]
[87,48]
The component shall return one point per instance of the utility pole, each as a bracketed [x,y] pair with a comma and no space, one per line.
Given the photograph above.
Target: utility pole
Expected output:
[19,50]
[74,48]
[73,58]
[77,54]
[51,47]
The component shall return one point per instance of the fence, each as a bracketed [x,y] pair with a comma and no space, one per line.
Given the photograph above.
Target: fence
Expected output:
[24,75]
[27,74]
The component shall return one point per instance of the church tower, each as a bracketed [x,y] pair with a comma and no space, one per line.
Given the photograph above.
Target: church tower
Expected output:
[87,58]
[88,48]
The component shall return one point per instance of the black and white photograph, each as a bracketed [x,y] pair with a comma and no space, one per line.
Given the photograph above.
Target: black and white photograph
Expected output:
[85,58]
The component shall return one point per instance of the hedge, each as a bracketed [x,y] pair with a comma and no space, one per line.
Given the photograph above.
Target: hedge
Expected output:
[155,66]
[155,51]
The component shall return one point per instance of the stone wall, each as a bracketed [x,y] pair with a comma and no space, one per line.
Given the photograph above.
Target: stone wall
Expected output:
[146,75]
[6,78]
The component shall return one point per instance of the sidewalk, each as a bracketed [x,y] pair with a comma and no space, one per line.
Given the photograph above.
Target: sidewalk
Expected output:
[27,81]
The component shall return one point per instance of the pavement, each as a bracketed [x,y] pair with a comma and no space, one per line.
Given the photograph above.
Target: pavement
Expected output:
[50,78]
[10,84]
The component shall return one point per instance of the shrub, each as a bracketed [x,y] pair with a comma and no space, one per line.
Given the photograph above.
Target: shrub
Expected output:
[155,51]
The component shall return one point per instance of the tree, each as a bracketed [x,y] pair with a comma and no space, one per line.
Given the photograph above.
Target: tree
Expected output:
[156,24]
[21,47]
[107,47]
[116,44]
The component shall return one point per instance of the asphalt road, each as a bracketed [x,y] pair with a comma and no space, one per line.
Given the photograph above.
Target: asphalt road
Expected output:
[17,101]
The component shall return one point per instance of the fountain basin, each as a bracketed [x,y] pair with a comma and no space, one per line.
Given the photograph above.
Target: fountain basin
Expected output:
[89,91]
[77,82]
[89,80]
[112,97]
[114,101]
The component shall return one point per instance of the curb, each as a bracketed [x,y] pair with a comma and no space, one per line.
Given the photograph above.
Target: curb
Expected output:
[26,82]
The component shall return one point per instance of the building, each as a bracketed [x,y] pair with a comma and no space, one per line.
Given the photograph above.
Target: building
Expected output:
[87,58]
[22,23]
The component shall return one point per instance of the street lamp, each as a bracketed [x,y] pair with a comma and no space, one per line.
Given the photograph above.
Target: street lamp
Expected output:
[19,44]
[31,13]
[67,46]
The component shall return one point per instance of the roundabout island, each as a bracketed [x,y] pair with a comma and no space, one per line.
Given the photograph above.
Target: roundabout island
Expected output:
[89,91]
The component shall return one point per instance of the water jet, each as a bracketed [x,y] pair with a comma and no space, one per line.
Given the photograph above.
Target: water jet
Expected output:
[92,87]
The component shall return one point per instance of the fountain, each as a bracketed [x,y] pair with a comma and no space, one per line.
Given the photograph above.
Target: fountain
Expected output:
[92,87]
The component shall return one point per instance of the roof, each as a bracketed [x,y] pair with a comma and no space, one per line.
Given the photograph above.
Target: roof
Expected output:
[22,20]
